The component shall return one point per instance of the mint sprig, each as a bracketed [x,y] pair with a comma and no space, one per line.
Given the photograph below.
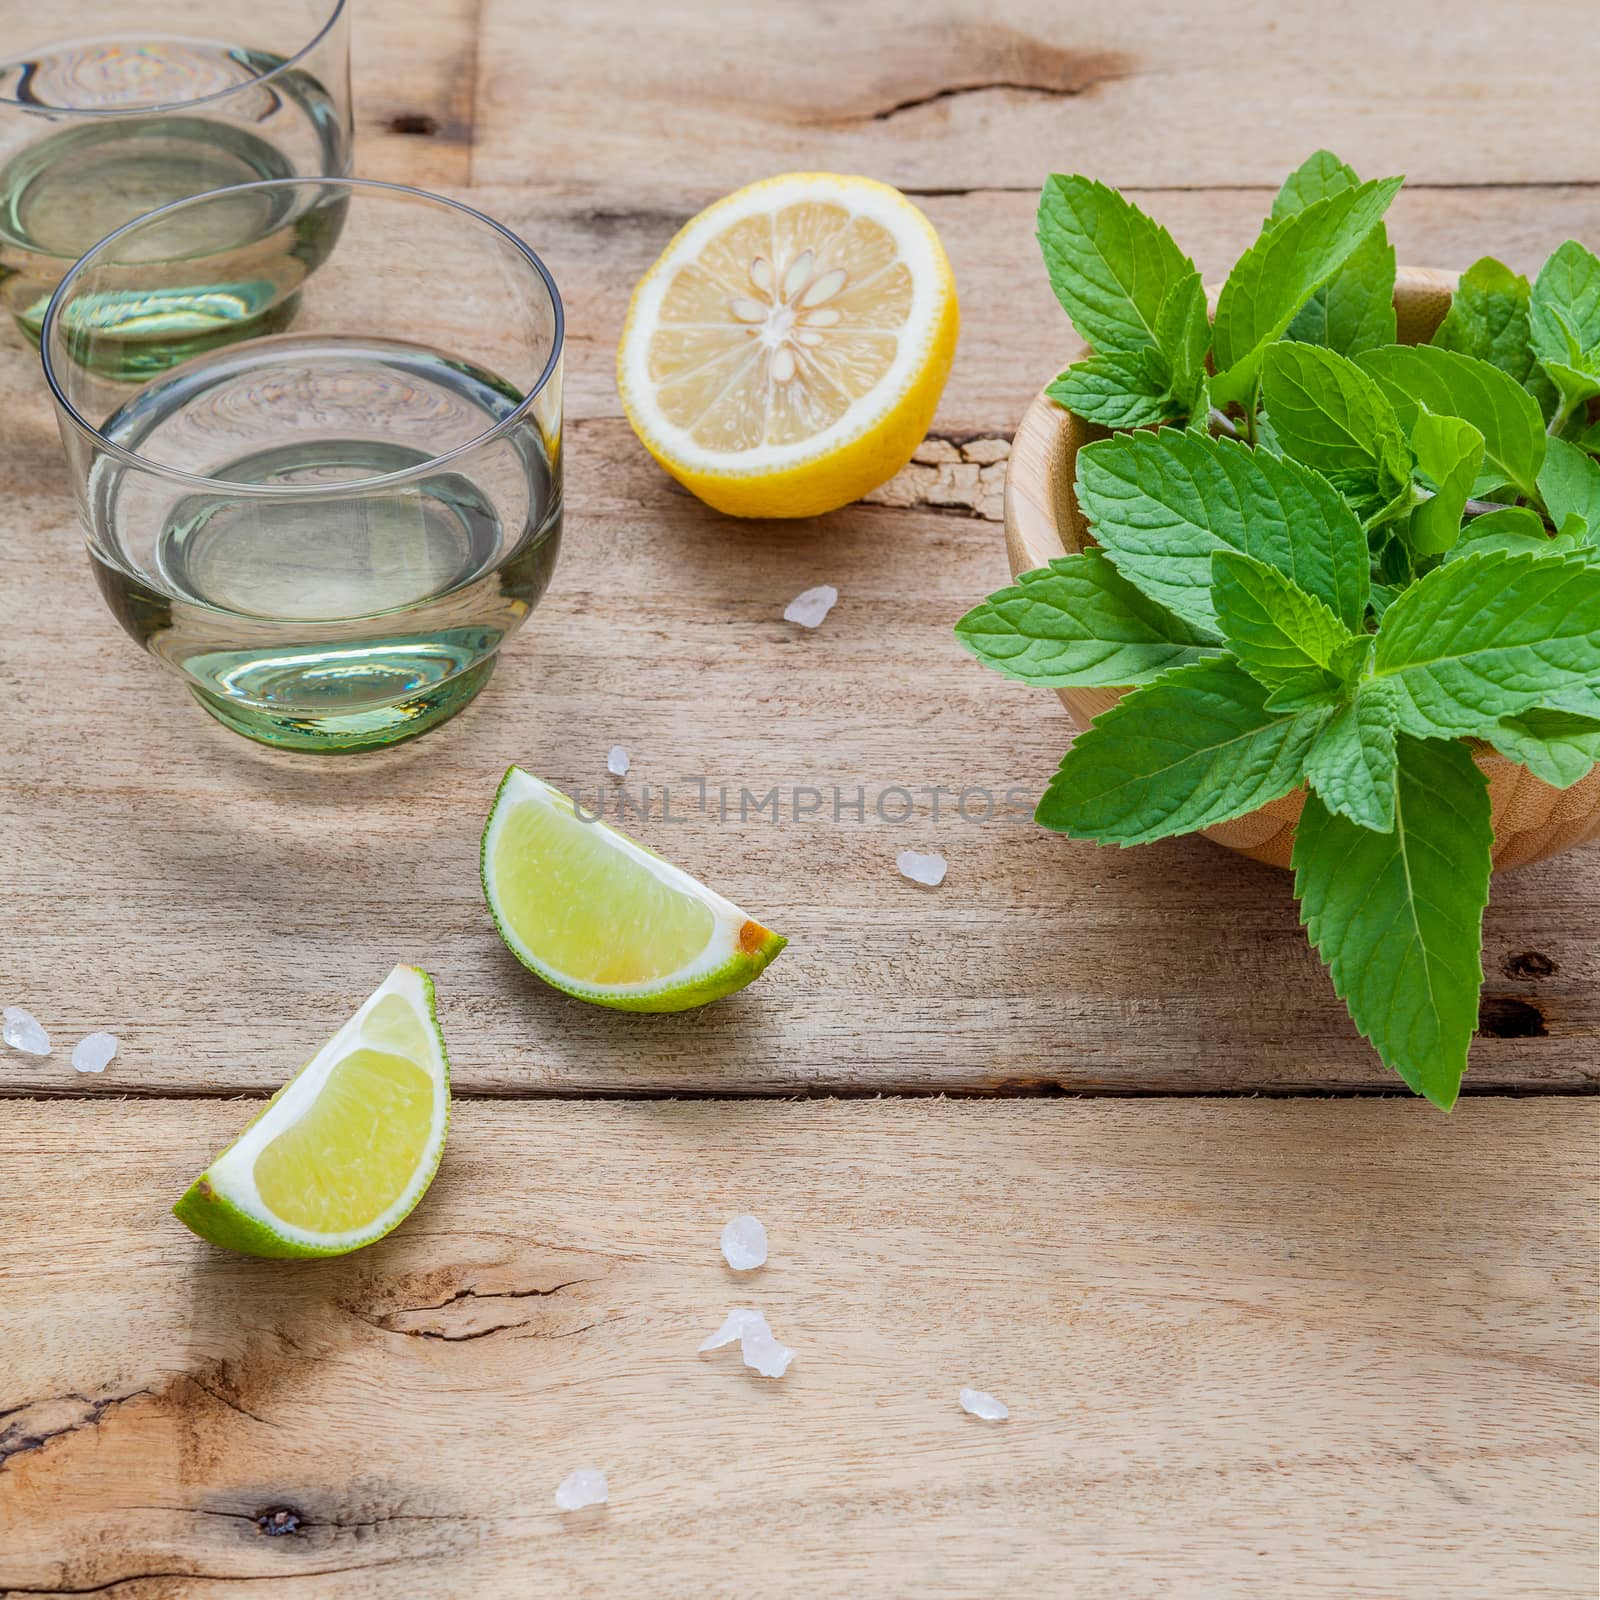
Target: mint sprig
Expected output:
[1354,564]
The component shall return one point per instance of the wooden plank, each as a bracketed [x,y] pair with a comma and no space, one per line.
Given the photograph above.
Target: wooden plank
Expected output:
[415,78]
[1329,1349]
[222,908]
[950,96]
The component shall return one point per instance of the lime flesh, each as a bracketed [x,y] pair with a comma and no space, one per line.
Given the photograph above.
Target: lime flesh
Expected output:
[599,916]
[345,1149]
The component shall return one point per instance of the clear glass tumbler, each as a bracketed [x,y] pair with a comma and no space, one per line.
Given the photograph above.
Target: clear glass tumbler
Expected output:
[328,531]
[146,102]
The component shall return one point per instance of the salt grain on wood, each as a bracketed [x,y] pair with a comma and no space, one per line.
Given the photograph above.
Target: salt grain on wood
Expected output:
[924,869]
[810,608]
[617,762]
[21,1031]
[978,1404]
[744,1243]
[585,1487]
[94,1052]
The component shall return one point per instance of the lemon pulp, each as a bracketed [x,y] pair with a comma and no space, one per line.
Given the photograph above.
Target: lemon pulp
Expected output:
[786,353]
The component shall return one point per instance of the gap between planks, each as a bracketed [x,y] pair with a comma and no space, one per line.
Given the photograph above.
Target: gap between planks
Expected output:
[1030,1089]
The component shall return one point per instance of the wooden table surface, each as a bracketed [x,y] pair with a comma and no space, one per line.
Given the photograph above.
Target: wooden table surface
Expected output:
[1265,1328]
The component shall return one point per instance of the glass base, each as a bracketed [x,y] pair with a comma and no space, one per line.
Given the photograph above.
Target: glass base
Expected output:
[373,728]
[154,351]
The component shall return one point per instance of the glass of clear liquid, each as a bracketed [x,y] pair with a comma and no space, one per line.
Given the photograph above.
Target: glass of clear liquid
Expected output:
[329,531]
[146,102]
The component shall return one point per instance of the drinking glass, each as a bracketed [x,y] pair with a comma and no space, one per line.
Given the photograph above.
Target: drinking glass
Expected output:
[330,531]
[149,101]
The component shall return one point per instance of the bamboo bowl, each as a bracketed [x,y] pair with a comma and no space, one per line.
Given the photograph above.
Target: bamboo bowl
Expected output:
[1042,520]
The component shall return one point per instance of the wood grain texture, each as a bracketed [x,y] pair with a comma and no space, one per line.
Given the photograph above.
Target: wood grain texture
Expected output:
[222,908]
[954,94]
[1341,1349]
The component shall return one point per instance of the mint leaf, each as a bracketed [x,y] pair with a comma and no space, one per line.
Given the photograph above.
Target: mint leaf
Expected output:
[1320,175]
[1354,310]
[1564,322]
[1569,482]
[1110,265]
[1128,390]
[1488,319]
[1450,453]
[1559,746]
[1279,272]
[1452,385]
[1398,916]
[1351,766]
[1183,335]
[1078,621]
[1163,503]
[1195,747]
[1513,529]
[1486,636]
[1329,414]
[1279,633]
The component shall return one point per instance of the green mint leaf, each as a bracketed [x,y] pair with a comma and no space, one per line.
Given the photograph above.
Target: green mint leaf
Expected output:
[1277,275]
[1589,439]
[1513,529]
[1450,452]
[1329,414]
[1128,390]
[1486,636]
[1183,335]
[1079,622]
[1308,691]
[1319,176]
[1351,767]
[1383,596]
[1569,482]
[1398,916]
[1195,747]
[1488,319]
[1564,321]
[1452,385]
[1559,746]
[1163,503]
[1354,310]
[1110,265]
[1278,632]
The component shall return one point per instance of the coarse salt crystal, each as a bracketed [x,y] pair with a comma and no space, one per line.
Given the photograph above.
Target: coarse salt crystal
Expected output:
[585,1487]
[760,1350]
[744,1243]
[924,869]
[810,608]
[978,1404]
[20,1029]
[617,762]
[94,1052]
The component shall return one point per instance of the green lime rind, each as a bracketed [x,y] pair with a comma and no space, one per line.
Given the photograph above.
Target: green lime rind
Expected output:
[207,1211]
[758,946]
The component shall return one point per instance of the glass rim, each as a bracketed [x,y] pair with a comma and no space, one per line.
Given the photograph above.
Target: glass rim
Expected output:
[157,107]
[286,490]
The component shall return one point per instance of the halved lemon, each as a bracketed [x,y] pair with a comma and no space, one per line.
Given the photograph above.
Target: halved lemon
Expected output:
[347,1147]
[787,352]
[599,916]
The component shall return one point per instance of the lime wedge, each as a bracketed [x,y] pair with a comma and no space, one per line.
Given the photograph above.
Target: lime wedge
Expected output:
[347,1147]
[595,914]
